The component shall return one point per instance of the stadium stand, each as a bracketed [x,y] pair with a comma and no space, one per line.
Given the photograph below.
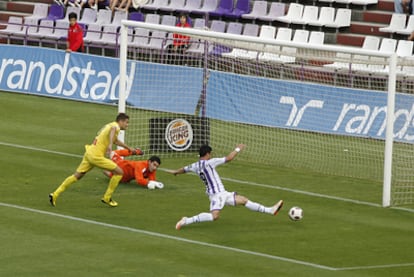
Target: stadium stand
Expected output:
[364,17]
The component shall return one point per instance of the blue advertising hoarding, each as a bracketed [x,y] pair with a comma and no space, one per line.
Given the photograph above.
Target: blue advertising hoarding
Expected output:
[267,102]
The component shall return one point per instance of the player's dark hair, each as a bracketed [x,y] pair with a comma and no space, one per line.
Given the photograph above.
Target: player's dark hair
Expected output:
[121,116]
[155,159]
[204,149]
[73,15]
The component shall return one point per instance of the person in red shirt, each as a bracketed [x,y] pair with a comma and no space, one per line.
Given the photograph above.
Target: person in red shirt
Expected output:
[75,34]
[181,42]
[143,172]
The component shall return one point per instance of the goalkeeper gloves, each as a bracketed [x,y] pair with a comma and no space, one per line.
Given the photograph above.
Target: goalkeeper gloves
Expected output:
[155,184]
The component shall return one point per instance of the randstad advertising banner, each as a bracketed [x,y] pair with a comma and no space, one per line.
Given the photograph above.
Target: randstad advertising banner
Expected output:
[305,106]
[78,76]
[245,99]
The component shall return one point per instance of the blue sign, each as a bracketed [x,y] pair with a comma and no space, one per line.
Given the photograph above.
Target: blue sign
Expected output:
[230,97]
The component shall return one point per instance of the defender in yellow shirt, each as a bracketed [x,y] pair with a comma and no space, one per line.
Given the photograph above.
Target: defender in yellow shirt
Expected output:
[97,155]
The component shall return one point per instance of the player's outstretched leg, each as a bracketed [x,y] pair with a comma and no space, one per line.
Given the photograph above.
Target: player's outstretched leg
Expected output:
[253,206]
[202,217]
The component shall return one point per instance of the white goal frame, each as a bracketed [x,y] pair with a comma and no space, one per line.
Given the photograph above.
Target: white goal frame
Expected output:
[258,44]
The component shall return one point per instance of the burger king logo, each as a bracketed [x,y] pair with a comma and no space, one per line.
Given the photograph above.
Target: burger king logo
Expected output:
[179,134]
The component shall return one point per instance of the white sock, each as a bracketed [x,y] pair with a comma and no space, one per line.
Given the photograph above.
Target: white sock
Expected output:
[199,218]
[256,207]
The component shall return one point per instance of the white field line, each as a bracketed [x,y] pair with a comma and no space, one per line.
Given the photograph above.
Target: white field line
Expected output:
[354,201]
[209,244]
[159,235]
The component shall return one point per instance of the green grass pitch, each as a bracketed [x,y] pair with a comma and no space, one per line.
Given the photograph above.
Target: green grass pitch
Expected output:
[344,232]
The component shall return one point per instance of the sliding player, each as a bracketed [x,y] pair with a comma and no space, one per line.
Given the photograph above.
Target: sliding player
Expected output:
[144,172]
[205,168]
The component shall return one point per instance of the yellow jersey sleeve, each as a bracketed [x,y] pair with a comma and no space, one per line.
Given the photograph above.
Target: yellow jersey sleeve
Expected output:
[101,141]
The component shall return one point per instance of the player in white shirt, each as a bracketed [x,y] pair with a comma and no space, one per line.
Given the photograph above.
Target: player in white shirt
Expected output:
[205,168]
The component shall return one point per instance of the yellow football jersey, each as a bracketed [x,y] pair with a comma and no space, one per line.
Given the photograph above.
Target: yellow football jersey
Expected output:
[101,141]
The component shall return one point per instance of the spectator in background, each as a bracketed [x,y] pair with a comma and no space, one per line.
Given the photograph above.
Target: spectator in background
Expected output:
[75,35]
[403,6]
[180,42]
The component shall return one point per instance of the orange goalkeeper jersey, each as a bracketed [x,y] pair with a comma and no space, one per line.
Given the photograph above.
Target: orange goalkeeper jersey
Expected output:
[137,170]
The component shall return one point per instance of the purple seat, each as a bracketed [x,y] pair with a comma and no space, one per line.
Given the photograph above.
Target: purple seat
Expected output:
[242,7]
[136,16]
[224,7]
[55,12]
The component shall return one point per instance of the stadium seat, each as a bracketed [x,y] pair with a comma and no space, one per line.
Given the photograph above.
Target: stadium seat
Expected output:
[295,11]
[364,2]
[266,32]
[156,5]
[199,23]
[370,43]
[94,33]
[277,9]
[234,28]
[59,34]
[136,16]
[103,17]
[190,6]
[224,7]
[40,11]
[310,13]
[88,16]
[217,26]
[69,10]
[342,19]
[316,38]
[250,29]
[174,5]
[55,12]
[169,20]
[30,26]
[140,37]
[283,34]
[14,24]
[259,10]
[119,15]
[242,7]
[207,7]
[404,48]
[397,23]
[109,38]
[152,18]
[326,16]
[409,28]
[45,29]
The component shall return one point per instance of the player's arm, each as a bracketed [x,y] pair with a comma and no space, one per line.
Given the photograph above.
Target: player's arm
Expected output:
[234,153]
[176,172]
[118,142]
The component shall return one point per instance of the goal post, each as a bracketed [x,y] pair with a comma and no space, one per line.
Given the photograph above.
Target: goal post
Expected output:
[324,108]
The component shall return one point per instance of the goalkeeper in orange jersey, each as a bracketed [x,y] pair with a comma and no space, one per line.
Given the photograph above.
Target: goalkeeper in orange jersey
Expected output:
[96,156]
[144,172]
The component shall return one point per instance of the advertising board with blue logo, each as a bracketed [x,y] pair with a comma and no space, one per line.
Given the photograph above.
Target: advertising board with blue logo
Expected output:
[267,102]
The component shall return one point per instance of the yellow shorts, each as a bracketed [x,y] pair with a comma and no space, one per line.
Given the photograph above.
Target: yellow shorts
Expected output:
[90,160]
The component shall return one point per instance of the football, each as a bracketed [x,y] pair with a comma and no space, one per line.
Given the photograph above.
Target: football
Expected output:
[295,213]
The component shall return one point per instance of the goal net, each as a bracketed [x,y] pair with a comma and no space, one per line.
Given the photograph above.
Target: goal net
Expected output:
[294,101]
